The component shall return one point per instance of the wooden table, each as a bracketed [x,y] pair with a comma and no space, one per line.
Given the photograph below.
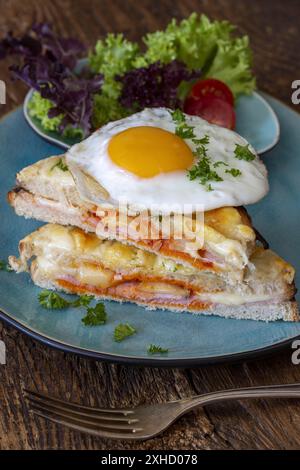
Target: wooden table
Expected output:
[273,28]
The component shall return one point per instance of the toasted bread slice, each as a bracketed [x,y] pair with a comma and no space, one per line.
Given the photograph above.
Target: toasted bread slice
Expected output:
[68,259]
[47,193]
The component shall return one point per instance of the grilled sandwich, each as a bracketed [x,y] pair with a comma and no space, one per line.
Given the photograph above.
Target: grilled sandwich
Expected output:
[95,243]
[71,260]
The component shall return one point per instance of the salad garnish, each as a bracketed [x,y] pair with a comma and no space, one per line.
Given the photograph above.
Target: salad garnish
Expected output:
[48,66]
[122,77]
[155,85]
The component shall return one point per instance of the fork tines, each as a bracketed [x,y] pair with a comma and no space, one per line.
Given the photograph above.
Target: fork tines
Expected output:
[105,422]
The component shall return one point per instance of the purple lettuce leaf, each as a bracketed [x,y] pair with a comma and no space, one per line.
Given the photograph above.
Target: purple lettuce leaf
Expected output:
[154,86]
[47,64]
[63,50]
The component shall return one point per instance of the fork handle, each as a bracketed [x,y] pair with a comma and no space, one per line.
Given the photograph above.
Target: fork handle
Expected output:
[269,391]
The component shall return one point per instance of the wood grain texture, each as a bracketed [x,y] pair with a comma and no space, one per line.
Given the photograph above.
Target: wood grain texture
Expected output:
[274,32]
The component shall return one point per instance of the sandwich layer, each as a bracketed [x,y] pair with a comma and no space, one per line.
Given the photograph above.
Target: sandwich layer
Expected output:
[71,260]
[47,193]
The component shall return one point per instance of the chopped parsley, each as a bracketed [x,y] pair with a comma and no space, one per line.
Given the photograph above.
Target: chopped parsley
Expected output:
[61,165]
[200,151]
[122,331]
[219,163]
[4,266]
[83,301]
[203,171]
[178,116]
[52,300]
[242,152]
[234,172]
[183,130]
[95,315]
[203,141]
[153,349]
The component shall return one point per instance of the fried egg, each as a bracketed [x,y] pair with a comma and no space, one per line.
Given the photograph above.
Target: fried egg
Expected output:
[140,161]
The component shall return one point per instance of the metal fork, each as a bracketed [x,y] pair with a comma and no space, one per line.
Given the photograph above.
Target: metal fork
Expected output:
[145,421]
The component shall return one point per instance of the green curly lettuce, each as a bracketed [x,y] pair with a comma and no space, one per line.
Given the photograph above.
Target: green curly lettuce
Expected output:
[232,65]
[206,45]
[39,107]
[111,56]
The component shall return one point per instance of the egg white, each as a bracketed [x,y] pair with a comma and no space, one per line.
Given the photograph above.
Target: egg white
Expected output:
[173,190]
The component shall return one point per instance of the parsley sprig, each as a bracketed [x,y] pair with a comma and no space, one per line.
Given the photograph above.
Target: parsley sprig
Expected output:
[95,315]
[234,172]
[4,266]
[153,349]
[203,171]
[61,165]
[183,130]
[219,163]
[83,301]
[122,331]
[242,152]
[53,301]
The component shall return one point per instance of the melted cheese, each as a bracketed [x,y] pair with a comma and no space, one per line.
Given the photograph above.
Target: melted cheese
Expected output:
[226,298]
[227,231]
[63,252]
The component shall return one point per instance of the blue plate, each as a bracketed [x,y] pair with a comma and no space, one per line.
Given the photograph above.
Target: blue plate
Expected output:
[191,339]
[255,118]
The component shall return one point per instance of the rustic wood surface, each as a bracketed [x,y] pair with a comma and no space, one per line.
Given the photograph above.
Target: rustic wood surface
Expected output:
[274,31]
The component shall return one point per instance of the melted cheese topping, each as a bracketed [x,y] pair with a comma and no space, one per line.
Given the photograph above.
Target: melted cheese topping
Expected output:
[70,255]
[227,234]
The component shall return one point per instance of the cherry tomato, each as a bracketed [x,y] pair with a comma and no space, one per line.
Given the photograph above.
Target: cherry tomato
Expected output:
[212,88]
[213,110]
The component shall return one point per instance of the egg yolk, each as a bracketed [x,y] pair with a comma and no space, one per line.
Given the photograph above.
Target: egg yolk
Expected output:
[148,151]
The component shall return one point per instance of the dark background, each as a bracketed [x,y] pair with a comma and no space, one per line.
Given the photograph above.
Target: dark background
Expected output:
[273,27]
